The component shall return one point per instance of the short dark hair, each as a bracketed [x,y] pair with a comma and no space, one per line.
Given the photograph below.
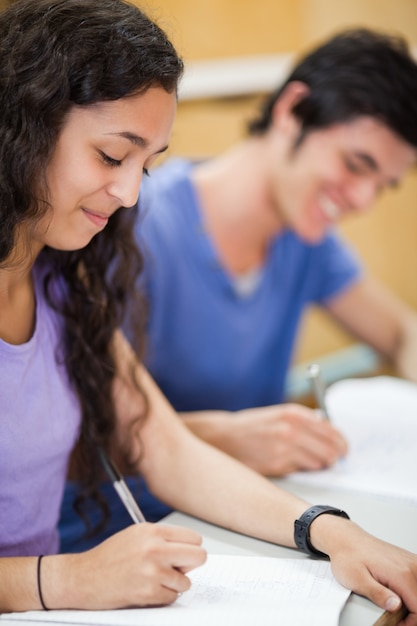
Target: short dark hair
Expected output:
[355,73]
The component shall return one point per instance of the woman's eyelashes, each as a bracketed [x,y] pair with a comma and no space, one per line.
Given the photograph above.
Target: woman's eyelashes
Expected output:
[109,160]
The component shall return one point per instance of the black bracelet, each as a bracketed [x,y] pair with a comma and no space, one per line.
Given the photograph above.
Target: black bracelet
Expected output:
[45,608]
[302,527]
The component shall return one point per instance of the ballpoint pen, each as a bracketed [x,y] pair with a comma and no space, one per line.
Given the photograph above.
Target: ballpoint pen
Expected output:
[314,374]
[122,489]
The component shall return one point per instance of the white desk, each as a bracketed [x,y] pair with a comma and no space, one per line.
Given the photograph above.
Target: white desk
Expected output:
[392,521]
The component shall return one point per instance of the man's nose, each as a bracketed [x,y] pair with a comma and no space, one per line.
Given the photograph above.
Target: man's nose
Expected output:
[362,194]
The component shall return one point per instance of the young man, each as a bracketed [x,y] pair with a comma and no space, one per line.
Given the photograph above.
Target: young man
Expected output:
[238,246]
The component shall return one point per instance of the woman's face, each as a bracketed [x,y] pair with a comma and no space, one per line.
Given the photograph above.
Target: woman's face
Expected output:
[98,164]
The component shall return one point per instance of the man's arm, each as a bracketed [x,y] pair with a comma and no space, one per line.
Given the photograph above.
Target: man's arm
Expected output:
[379,318]
[274,440]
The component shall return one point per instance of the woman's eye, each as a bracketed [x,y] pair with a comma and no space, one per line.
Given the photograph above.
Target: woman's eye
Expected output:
[145,171]
[108,160]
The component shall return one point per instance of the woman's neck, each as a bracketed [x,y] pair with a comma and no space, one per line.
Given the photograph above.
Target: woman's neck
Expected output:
[17,302]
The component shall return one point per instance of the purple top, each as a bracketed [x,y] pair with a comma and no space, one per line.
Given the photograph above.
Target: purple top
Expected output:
[39,424]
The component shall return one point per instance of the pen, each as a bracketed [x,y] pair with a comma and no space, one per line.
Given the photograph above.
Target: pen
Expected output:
[122,489]
[314,374]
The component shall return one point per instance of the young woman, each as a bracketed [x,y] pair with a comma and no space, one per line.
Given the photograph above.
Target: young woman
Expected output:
[88,97]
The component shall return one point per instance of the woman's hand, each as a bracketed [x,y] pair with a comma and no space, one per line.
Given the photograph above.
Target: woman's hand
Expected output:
[380,571]
[143,565]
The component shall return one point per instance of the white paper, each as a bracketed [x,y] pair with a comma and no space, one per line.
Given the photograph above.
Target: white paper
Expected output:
[378,417]
[235,591]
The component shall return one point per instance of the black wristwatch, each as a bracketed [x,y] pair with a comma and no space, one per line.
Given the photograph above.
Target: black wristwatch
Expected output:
[302,527]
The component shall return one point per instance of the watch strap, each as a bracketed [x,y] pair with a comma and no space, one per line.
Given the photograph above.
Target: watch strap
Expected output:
[303,523]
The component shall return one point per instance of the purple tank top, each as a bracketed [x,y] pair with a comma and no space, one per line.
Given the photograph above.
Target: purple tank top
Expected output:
[39,424]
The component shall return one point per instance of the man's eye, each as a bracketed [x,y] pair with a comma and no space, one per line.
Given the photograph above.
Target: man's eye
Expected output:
[353,167]
[108,160]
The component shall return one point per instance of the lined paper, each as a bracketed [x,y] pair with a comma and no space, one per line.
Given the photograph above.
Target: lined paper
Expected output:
[234,590]
[378,417]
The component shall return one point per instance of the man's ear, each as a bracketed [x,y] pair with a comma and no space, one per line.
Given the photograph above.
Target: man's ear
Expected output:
[283,118]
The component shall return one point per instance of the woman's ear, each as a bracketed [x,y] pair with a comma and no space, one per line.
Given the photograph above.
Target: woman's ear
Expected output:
[283,118]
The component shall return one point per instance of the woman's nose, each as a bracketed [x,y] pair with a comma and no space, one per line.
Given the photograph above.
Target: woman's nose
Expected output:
[125,186]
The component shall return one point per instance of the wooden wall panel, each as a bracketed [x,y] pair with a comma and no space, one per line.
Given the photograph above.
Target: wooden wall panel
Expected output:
[319,18]
[205,29]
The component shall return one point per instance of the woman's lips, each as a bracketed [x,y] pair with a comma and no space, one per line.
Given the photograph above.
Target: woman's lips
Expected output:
[97,219]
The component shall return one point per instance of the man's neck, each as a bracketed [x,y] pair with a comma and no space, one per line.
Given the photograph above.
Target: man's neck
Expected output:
[235,207]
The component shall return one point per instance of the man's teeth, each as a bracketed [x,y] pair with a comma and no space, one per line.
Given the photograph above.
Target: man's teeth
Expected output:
[330,208]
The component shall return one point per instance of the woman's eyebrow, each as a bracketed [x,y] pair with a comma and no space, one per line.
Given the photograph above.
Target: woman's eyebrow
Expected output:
[137,140]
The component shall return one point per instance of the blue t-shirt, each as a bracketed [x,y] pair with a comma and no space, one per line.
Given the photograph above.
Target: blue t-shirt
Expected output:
[208,346]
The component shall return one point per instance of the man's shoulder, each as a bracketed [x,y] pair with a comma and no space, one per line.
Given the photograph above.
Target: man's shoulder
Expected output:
[289,241]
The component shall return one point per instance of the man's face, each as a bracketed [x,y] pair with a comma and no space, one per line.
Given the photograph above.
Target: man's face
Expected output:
[334,172]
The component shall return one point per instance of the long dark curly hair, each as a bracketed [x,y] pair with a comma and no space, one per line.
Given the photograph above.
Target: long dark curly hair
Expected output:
[55,54]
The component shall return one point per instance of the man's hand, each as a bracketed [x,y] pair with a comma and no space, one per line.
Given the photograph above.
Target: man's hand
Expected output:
[274,440]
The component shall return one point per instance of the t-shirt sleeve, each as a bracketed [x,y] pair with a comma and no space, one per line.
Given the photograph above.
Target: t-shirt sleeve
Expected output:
[339,268]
